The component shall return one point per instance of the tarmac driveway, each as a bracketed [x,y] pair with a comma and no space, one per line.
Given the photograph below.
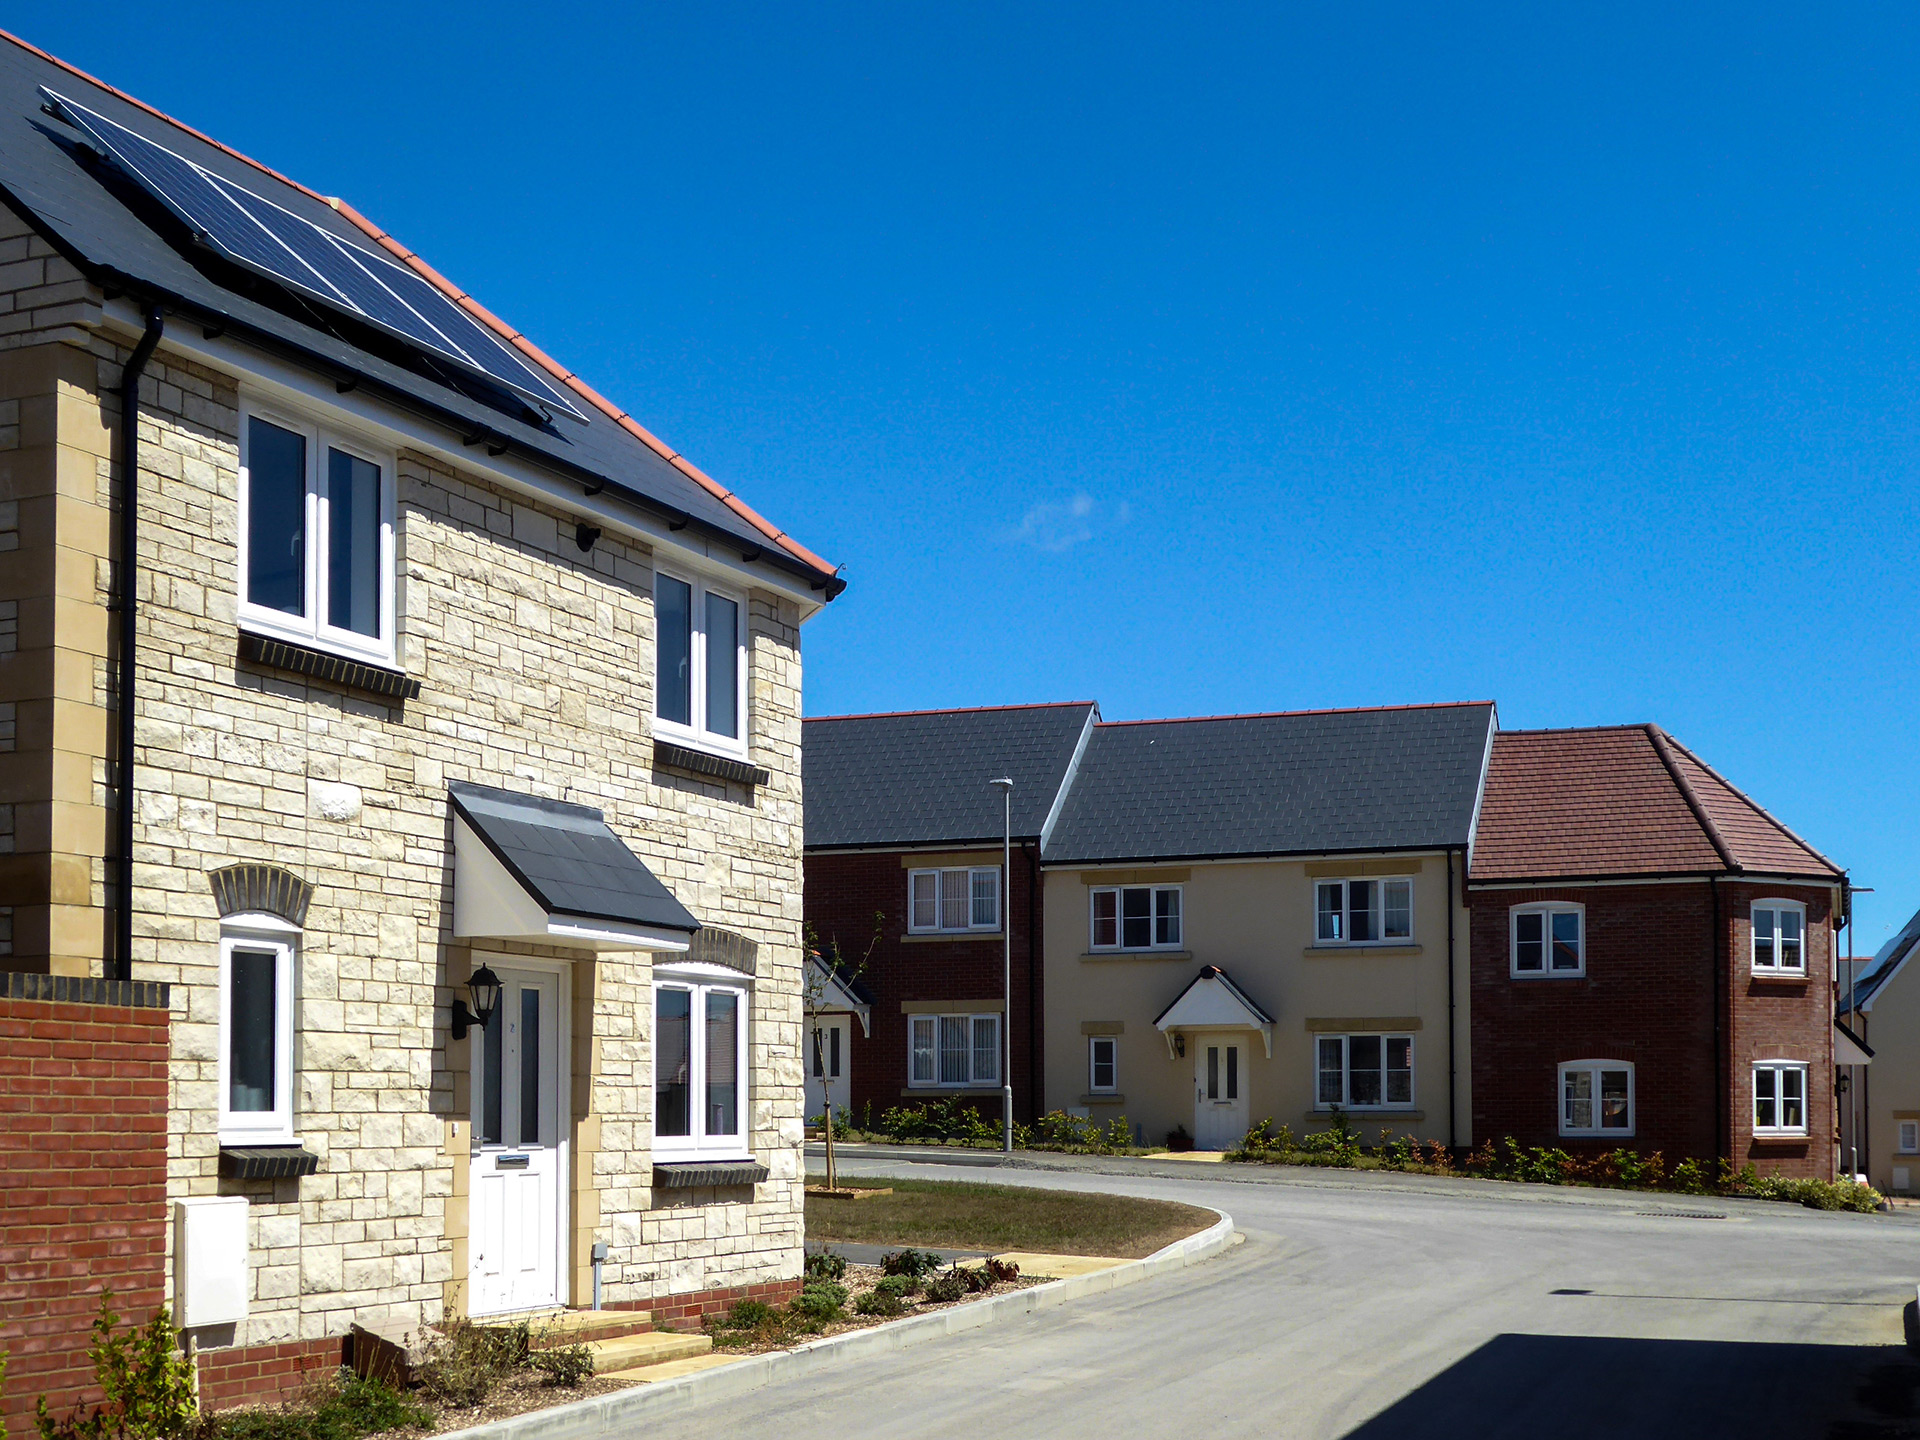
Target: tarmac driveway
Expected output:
[1393,1306]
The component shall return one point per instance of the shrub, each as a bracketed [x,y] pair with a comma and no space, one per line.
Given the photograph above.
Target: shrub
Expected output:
[899,1286]
[145,1380]
[825,1265]
[941,1120]
[748,1314]
[946,1287]
[1001,1272]
[469,1360]
[820,1300]
[342,1406]
[909,1262]
[883,1303]
[565,1365]
[1690,1178]
[1816,1194]
[1264,1139]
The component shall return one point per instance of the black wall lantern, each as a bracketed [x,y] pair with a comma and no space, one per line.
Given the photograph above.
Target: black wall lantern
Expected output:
[484,986]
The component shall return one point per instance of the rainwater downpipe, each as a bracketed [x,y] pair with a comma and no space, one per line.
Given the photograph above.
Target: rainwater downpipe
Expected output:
[1453,1111]
[124,607]
[1722,1123]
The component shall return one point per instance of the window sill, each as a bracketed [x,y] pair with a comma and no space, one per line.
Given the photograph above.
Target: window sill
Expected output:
[1596,1134]
[929,937]
[1104,1097]
[1358,1112]
[965,1092]
[707,1173]
[266,1162]
[1096,957]
[1780,977]
[1781,1137]
[1530,975]
[346,671]
[1382,952]
[710,764]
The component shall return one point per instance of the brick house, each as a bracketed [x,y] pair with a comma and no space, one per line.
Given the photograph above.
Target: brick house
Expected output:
[1652,957]
[905,830]
[354,655]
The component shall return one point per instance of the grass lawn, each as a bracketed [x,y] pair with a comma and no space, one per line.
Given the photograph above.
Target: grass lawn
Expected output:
[1001,1217]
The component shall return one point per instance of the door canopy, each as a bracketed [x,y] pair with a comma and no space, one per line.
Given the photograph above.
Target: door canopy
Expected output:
[551,873]
[1213,1002]
[830,990]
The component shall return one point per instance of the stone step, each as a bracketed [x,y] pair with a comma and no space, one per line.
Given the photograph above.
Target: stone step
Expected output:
[628,1352]
[674,1369]
[571,1327]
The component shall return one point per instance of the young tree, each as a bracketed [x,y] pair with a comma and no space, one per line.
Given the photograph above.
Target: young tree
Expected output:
[815,990]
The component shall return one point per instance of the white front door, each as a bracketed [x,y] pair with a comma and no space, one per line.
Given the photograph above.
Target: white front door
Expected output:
[829,1065]
[1219,1091]
[517,1197]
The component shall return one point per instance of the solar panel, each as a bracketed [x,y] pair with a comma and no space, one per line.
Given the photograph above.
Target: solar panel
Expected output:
[263,236]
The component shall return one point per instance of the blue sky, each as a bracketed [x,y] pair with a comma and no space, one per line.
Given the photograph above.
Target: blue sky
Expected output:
[1212,361]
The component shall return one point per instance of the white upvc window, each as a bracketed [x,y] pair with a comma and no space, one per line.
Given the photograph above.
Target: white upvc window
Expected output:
[1362,912]
[1596,1098]
[953,900]
[1780,1097]
[1137,917]
[953,1050]
[255,1068]
[1103,1064]
[316,543]
[1548,940]
[1909,1143]
[700,664]
[1779,937]
[700,1067]
[1363,1072]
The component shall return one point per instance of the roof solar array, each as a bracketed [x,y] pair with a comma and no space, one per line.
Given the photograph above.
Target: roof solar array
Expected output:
[263,236]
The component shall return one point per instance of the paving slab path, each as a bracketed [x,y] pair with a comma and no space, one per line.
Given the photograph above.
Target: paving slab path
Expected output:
[1409,1307]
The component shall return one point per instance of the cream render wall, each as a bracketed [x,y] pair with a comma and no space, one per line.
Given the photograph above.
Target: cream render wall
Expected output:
[1255,920]
[1892,1081]
[536,663]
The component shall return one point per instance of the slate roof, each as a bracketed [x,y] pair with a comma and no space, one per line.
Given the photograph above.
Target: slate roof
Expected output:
[1306,783]
[1623,800]
[922,777]
[568,859]
[47,176]
[1876,973]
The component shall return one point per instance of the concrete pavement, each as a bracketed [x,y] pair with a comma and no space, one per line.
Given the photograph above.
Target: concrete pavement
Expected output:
[1406,1306]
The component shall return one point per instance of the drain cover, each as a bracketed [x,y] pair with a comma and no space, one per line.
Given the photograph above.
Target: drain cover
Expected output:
[1678,1215]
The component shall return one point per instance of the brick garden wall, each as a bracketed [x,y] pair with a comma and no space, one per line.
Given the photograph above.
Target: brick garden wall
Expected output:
[1648,997]
[83,1178]
[843,892]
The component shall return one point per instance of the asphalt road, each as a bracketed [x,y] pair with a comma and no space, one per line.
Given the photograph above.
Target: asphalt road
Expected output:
[1397,1307]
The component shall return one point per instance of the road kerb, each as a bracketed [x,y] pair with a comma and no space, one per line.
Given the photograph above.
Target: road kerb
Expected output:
[604,1414]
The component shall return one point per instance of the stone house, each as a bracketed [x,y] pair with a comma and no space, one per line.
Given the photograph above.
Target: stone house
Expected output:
[362,671]
[1652,957]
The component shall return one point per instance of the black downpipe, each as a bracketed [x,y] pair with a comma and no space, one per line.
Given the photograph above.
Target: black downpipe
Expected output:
[1453,1108]
[124,604]
[1722,1140]
[1033,980]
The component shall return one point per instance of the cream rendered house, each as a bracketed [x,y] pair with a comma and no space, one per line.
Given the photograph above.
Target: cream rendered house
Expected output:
[363,671]
[1879,1005]
[1260,917]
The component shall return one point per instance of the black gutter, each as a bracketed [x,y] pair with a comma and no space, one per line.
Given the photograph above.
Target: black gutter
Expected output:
[1033,978]
[125,603]
[1722,1138]
[1453,1109]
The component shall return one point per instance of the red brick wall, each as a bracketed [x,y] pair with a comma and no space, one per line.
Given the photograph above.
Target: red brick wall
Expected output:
[683,1312]
[843,892]
[1648,997]
[83,1177]
[265,1374]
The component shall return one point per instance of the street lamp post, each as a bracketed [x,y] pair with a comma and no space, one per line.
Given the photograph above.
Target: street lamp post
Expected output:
[1006,977]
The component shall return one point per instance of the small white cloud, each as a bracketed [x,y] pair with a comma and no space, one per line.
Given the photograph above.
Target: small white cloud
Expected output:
[1057,525]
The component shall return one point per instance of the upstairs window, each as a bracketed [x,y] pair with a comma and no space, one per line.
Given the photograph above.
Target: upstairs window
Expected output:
[1548,940]
[316,538]
[1362,912]
[954,900]
[1596,1097]
[1779,937]
[1137,917]
[700,665]
[1780,1098]
[953,1050]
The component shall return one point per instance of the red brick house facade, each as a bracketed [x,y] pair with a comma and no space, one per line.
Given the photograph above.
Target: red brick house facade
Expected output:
[1652,958]
[892,797]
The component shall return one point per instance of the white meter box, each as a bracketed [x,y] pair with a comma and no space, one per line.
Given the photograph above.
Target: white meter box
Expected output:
[210,1280]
